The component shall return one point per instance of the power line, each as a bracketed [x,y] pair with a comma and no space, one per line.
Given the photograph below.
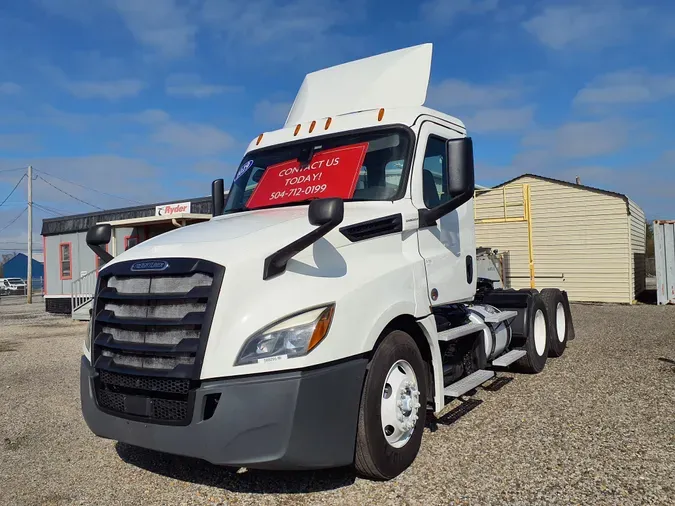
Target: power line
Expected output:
[50,208]
[46,209]
[13,190]
[89,188]
[12,170]
[70,195]
[12,222]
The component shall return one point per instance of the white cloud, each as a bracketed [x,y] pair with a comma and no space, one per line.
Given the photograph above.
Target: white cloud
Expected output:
[190,85]
[500,119]
[164,26]
[581,139]
[267,112]
[109,90]
[132,178]
[445,11]
[627,87]
[9,88]
[590,24]
[18,142]
[484,108]
[451,93]
[149,116]
[281,31]
[193,138]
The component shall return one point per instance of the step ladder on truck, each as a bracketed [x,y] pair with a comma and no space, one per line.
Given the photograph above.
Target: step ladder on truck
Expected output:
[329,306]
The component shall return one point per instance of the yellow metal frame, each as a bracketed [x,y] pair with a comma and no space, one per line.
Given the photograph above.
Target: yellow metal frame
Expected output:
[526,204]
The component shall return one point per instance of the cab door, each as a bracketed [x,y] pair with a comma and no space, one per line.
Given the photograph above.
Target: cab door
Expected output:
[448,247]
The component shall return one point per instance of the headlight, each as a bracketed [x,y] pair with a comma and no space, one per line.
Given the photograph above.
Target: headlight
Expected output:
[293,337]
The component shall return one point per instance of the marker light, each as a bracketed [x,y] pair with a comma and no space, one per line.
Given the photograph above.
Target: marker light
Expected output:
[297,130]
[259,139]
[311,126]
[380,115]
[327,123]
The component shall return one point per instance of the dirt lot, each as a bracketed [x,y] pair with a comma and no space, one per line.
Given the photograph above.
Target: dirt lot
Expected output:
[596,427]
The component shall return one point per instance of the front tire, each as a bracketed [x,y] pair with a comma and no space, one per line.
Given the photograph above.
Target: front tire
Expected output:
[393,409]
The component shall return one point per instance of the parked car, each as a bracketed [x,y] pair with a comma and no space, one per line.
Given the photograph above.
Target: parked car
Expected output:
[12,286]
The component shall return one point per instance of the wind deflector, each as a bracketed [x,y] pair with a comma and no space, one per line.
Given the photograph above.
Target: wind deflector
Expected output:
[394,79]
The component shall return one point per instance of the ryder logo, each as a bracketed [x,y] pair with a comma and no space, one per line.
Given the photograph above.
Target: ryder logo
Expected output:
[172,209]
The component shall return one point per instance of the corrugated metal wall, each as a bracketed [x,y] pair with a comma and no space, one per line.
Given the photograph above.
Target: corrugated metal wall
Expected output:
[664,251]
[638,244]
[577,233]
[83,258]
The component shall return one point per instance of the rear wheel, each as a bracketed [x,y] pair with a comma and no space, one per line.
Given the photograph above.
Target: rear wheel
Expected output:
[557,321]
[393,408]
[537,343]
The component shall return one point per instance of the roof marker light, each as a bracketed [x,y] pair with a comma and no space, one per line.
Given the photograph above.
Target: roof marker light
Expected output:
[328,123]
[311,126]
[380,115]
[257,143]
[297,129]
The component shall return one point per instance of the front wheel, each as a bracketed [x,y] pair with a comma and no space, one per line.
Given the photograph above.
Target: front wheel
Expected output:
[393,408]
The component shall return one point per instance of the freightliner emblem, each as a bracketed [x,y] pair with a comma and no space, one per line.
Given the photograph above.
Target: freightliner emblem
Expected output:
[150,265]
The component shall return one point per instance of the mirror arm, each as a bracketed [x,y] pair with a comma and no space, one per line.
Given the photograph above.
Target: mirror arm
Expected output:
[100,252]
[428,217]
[275,264]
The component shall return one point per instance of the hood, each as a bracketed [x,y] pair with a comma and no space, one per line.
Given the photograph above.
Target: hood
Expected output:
[239,236]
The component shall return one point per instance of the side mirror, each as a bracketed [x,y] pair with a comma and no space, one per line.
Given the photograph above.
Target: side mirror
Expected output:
[324,211]
[217,197]
[326,214]
[461,181]
[97,236]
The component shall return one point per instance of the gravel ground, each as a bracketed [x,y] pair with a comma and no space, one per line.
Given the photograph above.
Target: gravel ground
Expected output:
[597,426]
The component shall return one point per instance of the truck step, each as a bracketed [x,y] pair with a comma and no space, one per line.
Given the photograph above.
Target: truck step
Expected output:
[501,316]
[464,330]
[509,358]
[469,383]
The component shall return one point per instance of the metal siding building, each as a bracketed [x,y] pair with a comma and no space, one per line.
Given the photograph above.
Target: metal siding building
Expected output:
[588,241]
[68,261]
[17,267]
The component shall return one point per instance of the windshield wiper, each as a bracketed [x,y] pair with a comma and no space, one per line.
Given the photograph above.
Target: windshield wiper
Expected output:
[285,204]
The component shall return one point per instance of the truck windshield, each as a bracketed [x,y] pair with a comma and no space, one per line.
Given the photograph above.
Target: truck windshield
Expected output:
[353,166]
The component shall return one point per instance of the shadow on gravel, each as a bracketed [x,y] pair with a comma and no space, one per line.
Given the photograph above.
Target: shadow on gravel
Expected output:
[453,415]
[668,361]
[249,482]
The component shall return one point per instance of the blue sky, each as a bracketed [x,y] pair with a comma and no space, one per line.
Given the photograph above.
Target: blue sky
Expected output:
[153,99]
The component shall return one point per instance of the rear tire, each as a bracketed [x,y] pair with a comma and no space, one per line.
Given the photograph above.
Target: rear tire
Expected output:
[557,321]
[537,343]
[385,445]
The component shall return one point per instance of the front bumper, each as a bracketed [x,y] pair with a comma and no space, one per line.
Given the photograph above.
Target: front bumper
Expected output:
[291,420]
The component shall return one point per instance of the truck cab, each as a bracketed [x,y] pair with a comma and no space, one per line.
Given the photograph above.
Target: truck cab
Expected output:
[326,307]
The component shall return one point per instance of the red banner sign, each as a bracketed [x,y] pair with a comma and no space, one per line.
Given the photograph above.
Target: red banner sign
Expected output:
[331,173]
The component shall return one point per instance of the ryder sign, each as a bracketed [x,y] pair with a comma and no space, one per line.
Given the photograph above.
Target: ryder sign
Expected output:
[330,173]
[171,209]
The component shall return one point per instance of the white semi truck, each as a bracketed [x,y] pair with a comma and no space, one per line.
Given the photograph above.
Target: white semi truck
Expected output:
[330,307]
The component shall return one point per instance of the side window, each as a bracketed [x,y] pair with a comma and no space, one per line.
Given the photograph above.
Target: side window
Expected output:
[66,264]
[434,173]
[130,241]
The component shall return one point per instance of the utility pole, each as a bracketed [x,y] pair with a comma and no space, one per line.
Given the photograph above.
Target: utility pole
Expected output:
[29,281]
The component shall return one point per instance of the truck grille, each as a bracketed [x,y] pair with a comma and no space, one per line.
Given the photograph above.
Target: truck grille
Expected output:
[149,332]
